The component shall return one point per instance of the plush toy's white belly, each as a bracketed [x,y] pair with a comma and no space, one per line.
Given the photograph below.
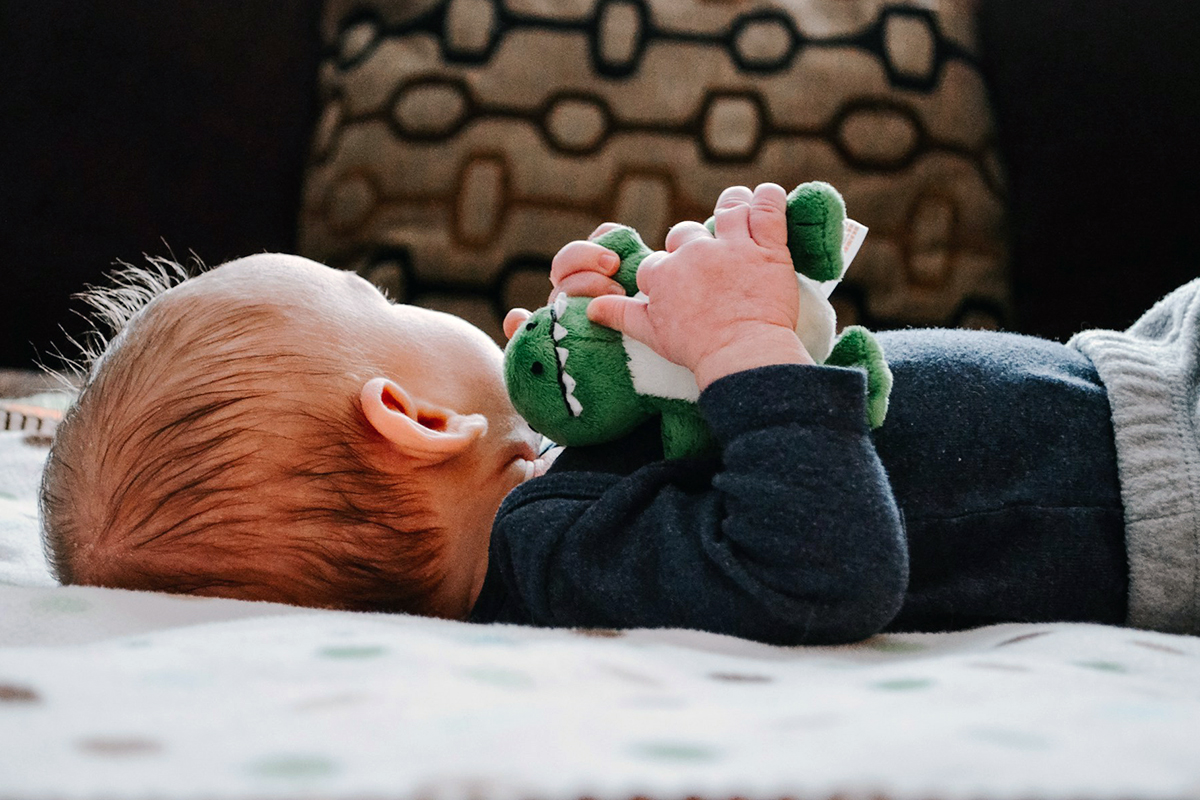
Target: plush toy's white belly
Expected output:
[655,376]
[817,323]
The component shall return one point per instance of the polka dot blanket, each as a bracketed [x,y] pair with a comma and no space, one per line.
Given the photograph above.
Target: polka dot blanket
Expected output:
[115,694]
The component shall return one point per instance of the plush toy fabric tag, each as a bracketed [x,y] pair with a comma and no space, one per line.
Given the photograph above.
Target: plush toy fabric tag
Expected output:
[853,234]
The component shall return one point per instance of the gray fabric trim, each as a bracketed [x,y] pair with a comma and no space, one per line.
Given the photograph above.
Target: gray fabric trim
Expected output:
[1152,375]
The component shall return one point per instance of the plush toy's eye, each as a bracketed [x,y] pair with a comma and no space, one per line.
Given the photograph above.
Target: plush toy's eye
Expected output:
[536,368]
[530,326]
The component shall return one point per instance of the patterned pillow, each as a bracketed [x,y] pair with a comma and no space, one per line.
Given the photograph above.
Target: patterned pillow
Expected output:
[462,142]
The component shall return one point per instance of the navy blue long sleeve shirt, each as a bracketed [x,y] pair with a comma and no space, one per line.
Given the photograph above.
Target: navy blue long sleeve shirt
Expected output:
[990,494]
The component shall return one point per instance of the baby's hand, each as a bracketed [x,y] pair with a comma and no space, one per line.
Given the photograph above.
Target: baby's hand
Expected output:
[718,304]
[581,269]
[584,268]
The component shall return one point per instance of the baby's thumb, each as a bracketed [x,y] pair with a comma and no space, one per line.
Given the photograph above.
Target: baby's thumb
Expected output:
[624,314]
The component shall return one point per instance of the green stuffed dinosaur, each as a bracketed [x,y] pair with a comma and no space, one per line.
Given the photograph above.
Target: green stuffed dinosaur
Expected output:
[580,383]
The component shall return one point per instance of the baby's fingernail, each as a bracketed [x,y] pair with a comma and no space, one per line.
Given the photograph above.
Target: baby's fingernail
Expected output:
[610,260]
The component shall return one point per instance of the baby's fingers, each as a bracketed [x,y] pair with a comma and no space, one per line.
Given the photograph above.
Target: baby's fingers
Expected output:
[732,213]
[684,232]
[624,314]
[514,319]
[604,228]
[581,256]
[768,215]
[586,284]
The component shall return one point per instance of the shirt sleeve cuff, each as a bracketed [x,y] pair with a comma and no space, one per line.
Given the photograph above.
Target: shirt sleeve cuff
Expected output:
[786,394]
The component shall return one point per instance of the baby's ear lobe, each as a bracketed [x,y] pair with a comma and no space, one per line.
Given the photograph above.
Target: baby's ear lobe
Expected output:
[417,429]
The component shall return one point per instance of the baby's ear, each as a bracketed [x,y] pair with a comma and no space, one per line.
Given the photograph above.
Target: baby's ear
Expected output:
[418,429]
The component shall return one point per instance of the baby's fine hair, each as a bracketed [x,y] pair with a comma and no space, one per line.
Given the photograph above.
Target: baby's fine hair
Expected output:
[187,465]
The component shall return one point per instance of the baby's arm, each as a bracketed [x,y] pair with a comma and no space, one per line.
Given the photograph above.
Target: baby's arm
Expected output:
[792,537]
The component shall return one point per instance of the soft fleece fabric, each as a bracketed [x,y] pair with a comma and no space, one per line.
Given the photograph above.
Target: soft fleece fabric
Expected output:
[106,693]
[989,495]
[1152,372]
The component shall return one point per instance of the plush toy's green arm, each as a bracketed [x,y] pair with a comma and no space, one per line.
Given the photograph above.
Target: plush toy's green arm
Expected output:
[627,244]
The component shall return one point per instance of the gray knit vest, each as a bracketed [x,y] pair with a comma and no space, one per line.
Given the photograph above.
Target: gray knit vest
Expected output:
[1152,375]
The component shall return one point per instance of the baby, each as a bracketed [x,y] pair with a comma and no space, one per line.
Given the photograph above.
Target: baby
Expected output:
[277,430]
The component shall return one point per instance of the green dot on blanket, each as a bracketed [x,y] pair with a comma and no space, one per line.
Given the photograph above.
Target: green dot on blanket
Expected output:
[903,684]
[1019,740]
[352,651]
[59,604]
[674,751]
[1102,666]
[294,766]
[507,678]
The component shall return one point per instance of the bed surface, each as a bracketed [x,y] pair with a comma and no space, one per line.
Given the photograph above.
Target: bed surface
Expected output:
[116,694]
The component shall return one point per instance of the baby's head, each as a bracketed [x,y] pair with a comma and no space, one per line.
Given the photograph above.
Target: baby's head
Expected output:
[277,430]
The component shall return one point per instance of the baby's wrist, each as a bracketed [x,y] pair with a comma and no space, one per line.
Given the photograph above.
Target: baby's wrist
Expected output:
[762,346]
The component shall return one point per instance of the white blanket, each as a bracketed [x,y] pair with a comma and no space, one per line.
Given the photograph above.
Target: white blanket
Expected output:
[114,694]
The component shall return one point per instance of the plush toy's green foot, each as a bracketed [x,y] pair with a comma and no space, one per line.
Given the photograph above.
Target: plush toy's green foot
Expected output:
[858,348]
[816,216]
[685,434]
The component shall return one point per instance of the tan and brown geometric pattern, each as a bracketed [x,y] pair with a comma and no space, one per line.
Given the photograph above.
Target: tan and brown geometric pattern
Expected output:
[462,142]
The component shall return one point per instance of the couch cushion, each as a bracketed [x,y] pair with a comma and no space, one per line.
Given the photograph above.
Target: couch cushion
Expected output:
[462,143]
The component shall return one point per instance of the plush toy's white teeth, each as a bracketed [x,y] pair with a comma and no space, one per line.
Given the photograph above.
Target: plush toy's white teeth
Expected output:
[558,333]
[568,383]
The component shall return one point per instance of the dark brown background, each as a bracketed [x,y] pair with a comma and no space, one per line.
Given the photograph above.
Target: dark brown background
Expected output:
[143,127]
[138,127]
